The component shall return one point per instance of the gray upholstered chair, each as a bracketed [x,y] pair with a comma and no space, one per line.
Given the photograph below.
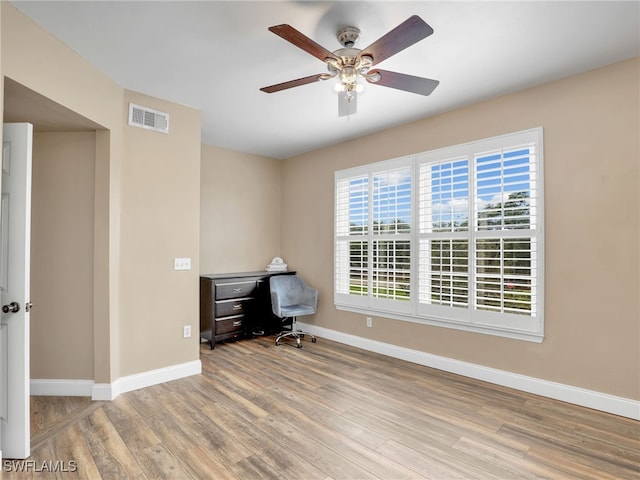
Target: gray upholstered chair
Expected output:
[292,298]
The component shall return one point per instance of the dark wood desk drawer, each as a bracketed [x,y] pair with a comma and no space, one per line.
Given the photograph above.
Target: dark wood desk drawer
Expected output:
[234,289]
[229,324]
[236,306]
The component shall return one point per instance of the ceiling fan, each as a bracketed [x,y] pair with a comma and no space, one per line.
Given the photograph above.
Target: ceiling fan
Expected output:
[349,64]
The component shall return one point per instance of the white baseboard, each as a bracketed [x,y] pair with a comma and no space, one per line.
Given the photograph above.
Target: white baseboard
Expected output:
[61,388]
[109,391]
[105,391]
[579,396]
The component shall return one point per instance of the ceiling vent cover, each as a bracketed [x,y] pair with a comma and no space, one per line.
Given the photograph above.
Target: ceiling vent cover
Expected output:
[145,117]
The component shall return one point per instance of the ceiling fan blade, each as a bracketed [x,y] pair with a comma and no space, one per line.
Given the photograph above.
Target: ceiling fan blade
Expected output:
[401,81]
[347,105]
[300,40]
[404,35]
[294,83]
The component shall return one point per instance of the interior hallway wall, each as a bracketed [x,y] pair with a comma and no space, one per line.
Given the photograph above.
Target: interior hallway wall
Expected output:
[160,221]
[62,217]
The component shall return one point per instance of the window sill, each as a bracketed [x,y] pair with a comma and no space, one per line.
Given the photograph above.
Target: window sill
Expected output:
[437,322]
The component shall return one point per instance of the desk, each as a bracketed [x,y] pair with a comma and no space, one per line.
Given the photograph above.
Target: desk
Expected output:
[236,305]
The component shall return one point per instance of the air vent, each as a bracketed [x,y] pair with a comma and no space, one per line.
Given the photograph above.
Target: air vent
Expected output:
[145,117]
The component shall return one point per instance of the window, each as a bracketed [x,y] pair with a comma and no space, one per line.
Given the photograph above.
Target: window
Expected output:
[451,237]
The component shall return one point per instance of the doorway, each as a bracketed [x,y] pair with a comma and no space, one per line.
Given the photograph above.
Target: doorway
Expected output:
[62,272]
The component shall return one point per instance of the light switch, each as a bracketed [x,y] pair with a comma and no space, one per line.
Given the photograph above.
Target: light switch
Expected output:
[182,263]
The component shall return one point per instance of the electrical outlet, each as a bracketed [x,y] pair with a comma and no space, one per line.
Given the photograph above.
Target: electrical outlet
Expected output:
[369,322]
[186,331]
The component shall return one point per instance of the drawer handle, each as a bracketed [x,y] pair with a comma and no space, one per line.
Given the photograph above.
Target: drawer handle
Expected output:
[238,323]
[237,290]
[237,306]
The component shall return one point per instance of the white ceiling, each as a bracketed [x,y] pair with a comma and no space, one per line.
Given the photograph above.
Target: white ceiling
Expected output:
[215,56]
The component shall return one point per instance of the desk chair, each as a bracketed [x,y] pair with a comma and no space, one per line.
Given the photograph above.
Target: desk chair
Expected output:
[292,298]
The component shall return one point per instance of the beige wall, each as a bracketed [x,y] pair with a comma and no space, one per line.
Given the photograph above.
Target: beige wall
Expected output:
[591,146]
[160,221]
[62,255]
[146,207]
[39,61]
[240,211]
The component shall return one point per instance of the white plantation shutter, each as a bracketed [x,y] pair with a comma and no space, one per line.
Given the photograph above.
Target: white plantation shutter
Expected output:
[470,234]
[444,272]
[391,233]
[351,248]
[392,200]
[444,226]
[373,236]
[507,265]
[391,269]
[444,194]
[505,185]
[506,275]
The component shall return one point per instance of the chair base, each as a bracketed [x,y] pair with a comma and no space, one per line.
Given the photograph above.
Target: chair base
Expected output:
[295,333]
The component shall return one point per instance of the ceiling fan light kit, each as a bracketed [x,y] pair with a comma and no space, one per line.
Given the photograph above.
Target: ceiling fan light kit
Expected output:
[349,64]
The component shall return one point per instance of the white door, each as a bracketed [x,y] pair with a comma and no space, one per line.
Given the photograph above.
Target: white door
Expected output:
[15,222]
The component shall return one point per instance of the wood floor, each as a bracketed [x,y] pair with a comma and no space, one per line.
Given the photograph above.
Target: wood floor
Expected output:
[326,411]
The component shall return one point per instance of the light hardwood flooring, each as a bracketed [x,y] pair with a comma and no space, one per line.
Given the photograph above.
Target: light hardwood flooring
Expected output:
[326,411]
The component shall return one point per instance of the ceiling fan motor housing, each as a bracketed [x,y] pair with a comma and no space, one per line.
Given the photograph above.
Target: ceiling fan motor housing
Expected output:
[348,36]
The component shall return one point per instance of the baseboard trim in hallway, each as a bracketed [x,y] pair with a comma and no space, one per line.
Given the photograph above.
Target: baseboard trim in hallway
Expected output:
[109,391]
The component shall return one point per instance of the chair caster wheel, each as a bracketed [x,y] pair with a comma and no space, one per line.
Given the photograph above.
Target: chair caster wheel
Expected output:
[313,340]
[299,344]
[277,343]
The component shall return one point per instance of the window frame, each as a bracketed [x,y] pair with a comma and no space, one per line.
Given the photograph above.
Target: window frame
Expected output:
[528,327]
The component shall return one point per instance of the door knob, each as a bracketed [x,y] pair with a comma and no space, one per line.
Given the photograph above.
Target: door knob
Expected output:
[13,307]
